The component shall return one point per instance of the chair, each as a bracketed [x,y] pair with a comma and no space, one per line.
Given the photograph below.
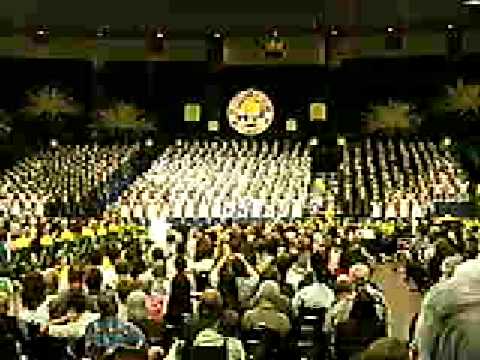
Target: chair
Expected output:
[131,354]
[311,341]
[263,344]
[51,348]
[205,352]
[9,349]
[353,336]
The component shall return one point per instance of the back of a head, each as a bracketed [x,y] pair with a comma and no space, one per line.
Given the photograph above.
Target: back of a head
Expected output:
[34,290]
[107,305]
[363,307]
[157,254]
[387,349]
[136,306]
[122,268]
[269,291]
[75,277]
[180,264]
[94,280]
[211,304]
[159,271]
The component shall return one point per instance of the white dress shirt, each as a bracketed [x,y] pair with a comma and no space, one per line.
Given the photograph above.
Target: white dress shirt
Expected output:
[313,296]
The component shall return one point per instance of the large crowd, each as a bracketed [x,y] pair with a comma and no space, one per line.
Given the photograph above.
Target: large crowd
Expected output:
[387,179]
[121,287]
[219,179]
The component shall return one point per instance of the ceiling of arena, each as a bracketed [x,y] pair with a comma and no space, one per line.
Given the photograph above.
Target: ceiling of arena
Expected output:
[194,14]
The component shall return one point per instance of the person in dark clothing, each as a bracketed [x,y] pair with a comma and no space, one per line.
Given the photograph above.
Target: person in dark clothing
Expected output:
[179,302]
[10,331]
[360,330]
[94,281]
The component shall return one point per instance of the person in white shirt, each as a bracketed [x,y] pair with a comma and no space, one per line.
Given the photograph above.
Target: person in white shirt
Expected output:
[189,209]
[257,208]
[152,211]
[376,210]
[178,208]
[404,207]
[416,209]
[138,212]
[216,208]
[390,212]
[312,296]
[297,271]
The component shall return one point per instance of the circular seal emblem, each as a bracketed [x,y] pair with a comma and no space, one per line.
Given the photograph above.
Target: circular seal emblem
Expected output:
[250,112]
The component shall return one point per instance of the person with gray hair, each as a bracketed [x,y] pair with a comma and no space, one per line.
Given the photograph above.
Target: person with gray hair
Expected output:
[449,321]
[267,310]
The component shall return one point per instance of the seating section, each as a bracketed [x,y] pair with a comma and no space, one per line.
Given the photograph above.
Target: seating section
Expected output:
[387,179]
[95,288]
[60,180]
[222,180]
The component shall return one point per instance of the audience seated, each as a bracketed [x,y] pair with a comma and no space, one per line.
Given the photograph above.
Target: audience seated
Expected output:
[279,287]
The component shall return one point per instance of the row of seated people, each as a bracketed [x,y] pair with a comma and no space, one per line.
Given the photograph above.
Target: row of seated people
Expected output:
[66,174]
[436,249]
[229,208]
[193,182]
[250,282]
[399,179]
[261,148]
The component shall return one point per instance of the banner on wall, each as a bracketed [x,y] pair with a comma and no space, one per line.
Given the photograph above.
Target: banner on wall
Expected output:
[192,112]
[318,112]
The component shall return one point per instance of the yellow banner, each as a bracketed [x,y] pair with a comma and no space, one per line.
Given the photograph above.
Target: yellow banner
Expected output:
[318,112]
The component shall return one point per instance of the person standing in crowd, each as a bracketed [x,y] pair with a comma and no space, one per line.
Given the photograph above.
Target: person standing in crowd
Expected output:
[180,301]
[448,324]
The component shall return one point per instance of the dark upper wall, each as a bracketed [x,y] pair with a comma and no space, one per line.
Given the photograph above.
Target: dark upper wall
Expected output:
[197,14]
